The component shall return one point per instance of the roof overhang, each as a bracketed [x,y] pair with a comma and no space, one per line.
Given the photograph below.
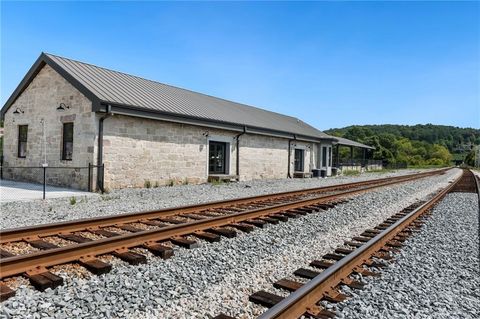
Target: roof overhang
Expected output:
[42,60]
[128,110]
[346,142]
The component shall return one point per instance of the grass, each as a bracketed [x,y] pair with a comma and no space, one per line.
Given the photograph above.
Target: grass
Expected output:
[73,200]
[350,172]
[107,197]
[381,171]
[216,182]
[426,166]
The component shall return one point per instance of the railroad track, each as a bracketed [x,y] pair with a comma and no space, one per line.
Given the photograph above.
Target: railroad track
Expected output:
[82,241]
[357,256]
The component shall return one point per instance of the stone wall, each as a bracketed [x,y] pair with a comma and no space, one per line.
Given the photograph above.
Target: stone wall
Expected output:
[139,151]
[263,157]
[39,104]
[267,157]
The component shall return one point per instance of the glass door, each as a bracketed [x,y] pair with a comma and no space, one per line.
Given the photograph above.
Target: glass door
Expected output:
[299,160]
[217,158]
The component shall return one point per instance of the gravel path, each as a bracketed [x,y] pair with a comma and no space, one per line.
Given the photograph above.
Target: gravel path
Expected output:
[437,275]
[219,277]
[17,214]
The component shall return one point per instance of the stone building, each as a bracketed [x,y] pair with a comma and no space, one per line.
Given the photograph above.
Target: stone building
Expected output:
[69,114]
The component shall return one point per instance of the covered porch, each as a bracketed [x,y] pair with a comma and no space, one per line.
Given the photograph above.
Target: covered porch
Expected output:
[351,155]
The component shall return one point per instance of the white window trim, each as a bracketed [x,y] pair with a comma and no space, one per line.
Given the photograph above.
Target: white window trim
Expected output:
[328,146]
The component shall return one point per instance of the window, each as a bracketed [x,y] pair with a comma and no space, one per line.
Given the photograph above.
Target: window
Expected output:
[329,156]
[67,149]
[298,162]
[217,158]
[22,140]
[324,156]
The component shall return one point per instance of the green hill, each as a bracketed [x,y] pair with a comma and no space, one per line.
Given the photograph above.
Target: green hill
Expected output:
[417,144]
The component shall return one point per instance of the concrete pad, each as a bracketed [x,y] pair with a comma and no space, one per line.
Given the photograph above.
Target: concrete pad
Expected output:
[12,191]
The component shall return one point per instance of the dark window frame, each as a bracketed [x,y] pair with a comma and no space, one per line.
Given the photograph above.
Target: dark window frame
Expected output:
[212,167]
[66,155]
[21,154]
[299,163]
[324,156]
[329,160]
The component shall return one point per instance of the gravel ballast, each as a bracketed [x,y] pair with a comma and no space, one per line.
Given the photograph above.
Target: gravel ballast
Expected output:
[219,277]
[437,273]
[25,213]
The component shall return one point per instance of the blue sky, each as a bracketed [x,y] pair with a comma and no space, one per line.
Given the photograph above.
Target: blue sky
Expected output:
[331,64]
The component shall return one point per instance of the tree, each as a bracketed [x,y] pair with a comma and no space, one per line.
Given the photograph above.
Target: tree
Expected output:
[441,152]
[417,145]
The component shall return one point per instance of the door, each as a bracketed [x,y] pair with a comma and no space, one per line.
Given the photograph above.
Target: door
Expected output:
[324,157]
[298,160]
[217,158]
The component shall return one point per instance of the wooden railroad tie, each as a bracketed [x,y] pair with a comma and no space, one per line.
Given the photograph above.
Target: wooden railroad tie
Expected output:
[184,242]
[5,292]
[95,265]
[42,279]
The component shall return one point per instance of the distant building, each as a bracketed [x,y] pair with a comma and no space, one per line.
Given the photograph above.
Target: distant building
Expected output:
[70,114]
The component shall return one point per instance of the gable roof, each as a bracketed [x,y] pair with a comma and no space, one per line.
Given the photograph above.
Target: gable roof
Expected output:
[132,95]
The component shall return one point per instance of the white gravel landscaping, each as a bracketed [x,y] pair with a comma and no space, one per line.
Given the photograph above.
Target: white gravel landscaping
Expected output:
[18,214]
[437,274]
[218,277]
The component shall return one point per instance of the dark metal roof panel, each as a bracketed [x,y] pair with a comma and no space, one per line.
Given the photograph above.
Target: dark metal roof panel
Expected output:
[347,142]
[124,89]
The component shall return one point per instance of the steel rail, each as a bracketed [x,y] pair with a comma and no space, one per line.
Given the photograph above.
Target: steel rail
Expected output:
[477,185]
[17,234]
[16,265]
[306,297]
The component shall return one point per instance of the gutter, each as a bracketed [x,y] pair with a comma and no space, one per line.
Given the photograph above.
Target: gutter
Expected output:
[101,177]
[192,120]
[237,137]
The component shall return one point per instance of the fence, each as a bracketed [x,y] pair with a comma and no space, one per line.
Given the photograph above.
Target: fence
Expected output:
[360,163]
[396,165]
[50,178]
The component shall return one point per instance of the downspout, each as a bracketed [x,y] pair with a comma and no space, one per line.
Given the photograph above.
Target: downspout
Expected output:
[238,150]
[289,154]
[100,177]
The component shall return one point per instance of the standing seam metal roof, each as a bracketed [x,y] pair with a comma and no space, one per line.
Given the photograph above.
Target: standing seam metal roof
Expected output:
[149,98]
[124,89]
[347,142]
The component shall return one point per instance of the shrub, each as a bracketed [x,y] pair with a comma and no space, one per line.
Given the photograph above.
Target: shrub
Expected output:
[185,182]
[170,182]
[156,184]
[73,200]
[107,197]
[350,172]
[147,184]
[216,182]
